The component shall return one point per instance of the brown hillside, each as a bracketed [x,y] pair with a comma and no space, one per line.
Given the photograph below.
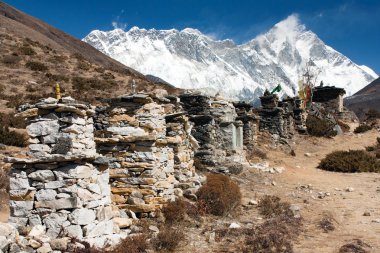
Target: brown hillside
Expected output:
[365,99]
[34,56]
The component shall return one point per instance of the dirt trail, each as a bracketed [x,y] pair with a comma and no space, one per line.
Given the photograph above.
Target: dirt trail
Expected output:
[347,207]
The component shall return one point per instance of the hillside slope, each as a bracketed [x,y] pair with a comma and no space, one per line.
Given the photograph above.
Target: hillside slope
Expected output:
[34,56]
[365,99]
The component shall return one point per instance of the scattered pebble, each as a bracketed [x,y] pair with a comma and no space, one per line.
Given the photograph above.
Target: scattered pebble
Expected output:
[234,225]
[253,202]
[307,154]
[154,228]
[376,220]
[349,189]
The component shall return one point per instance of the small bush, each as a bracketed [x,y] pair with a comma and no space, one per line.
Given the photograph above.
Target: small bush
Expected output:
[272,206]
[175,211]
[4,180]
[11,59]
[90,84]
[219,194]
[320,127]
[12,138]
[36,66]
[57,78]
[355,246]
[27,50]
[362,128]
[168,239]
[87,247]
[345,128]
[327,223]
[256,153]
[132,244]
[83,65]
[274,235]
[350,162]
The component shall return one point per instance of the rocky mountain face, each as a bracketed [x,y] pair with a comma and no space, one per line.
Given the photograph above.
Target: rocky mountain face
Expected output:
[191,60]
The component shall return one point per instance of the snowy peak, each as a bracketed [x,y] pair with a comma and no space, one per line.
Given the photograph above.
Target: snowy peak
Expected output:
[192,60]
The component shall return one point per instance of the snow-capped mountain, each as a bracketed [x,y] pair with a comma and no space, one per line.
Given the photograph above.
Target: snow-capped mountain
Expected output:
[191,60]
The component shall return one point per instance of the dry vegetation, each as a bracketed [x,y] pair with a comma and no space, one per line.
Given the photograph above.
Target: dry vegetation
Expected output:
[320,127]
[219,195]
[350,162]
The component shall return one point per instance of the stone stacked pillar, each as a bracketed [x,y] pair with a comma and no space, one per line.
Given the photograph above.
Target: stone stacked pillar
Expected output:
[144,161]
[57,188]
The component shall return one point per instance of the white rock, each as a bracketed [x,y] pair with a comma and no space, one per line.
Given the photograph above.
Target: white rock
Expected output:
[45,248]
[20,208]
[350,189]
[82,216]
[102,228]
[234,225]
[37,231]
[42,128]
[42,175]
[74,231]
[123,222]
[47,194]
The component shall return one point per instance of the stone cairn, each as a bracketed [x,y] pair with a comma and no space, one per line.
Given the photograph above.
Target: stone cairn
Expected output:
[276,118]
[147,150]
[250,123]
[58,190]
[219,134]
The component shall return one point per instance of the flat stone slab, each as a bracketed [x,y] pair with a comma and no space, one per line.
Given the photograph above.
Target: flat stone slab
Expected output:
[49,159]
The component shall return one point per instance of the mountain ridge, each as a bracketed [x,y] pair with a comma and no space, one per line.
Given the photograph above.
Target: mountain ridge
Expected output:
[191,60]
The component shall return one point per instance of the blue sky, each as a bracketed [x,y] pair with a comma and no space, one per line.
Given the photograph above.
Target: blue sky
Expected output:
[352,27]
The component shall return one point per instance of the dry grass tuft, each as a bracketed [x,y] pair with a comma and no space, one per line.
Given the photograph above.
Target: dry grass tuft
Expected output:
[219,195]
[327,223]
[272,206]
[355,246]
[274,235]
[168,239]
[132,244]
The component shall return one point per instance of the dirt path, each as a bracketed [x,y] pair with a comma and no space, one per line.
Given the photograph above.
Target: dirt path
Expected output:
[347,207]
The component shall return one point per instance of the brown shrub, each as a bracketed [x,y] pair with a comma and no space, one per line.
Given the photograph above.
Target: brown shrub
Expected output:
[362,128]
[355,246]
[83,65]
[11,59]
[320,127]
[87,247]
[12,138]
[4,180]
[174,211]
[36,66]
[256,153]
[90,84]
[132,244]
[272,206]
[219,194]
[26,50]
[274,235]
[168,239]
[350,162]
[57,78]
[327,223]
[345,128]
